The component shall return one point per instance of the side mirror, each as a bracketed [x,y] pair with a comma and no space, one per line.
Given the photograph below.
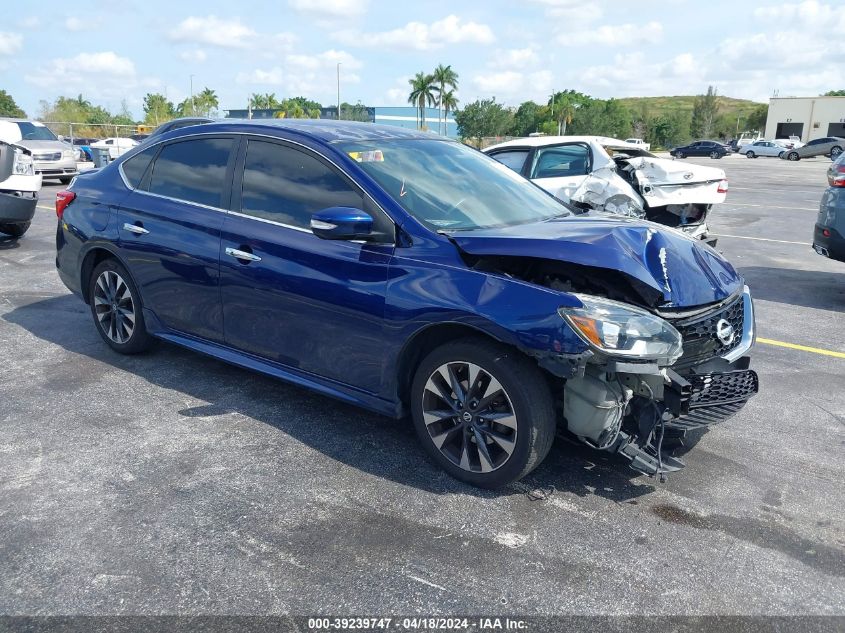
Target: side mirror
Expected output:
[342,223]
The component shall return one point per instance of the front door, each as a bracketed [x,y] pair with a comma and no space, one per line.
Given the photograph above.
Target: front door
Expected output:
[288,296]
[560,169]
[169,230]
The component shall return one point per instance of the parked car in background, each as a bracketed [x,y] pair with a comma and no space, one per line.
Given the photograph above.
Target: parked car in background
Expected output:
[762,148]
[178,124]
[19,187]
[639,143]
[53,158]
[713,149]
[116,146]
[412,275]
[612,176]
[831,146]
[829,232]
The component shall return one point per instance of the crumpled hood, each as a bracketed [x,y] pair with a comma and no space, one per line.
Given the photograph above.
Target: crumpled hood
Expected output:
[684,271]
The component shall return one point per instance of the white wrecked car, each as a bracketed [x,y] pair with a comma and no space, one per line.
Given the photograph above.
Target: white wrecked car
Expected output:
[612,176]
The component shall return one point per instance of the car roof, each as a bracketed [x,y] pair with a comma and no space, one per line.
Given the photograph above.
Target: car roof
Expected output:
[542,141]
[324,130]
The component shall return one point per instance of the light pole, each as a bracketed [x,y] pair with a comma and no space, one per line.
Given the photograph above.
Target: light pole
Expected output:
[338,91]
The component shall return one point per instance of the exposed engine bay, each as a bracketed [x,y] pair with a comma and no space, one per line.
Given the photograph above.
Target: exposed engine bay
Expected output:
[630,407]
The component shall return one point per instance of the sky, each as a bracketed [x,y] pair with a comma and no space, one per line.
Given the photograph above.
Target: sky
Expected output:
[511,50]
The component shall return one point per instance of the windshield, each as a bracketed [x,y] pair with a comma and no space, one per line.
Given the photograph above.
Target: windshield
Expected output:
[32,132]
[451,187]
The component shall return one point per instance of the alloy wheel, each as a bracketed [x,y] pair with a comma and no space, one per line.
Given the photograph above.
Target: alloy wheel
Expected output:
[835,152]
[469,417]
[114,307]
[792,156]
[714,154]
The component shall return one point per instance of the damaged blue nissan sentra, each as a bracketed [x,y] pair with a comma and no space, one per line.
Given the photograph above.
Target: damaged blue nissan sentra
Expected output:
[412,275]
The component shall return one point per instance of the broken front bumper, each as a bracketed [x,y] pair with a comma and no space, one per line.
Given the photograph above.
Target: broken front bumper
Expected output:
[700,400]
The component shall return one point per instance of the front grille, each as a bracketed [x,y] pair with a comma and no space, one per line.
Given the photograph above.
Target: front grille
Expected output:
[699,333]
[52,156]
[716,397]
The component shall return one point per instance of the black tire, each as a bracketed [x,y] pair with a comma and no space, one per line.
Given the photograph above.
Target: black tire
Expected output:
[715,155]
[138,340]
[750,154]
[781,154]
[66,180]
[835,151]
[524,388]
[680,155]
[793,156]
[15,230]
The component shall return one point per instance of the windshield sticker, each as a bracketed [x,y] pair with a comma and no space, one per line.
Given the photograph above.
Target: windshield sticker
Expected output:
[370,156]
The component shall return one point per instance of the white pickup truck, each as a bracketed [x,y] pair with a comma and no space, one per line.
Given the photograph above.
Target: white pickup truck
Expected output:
[639,143]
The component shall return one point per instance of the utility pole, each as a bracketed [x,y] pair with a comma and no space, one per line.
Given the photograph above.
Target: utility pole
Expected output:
[338,91]
[193,111]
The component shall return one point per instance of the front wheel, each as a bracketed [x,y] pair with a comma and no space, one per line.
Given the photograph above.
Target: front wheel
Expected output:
[680,155]
[116,308]
[750,154]
[483,412]
[835,152]
[793,156]
[15,230]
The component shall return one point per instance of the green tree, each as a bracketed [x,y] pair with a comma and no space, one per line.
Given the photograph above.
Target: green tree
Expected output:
[421,95]
[444,77]
[357,112]
[757,119]
[204,104]
[528,118]
[602,118]
[266,101]
[834,93]
[157,109]
[669,130]
[450,103]
[705,109]
[8,107]
[564,106]
[483,118]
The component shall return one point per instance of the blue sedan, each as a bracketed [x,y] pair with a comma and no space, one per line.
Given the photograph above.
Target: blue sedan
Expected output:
[413,276]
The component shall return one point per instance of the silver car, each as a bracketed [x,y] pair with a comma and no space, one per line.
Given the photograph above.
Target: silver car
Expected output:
[53,158]
[762,148]
[831,146]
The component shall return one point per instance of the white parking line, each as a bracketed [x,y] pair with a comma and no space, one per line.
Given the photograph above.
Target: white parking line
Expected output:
[759,239]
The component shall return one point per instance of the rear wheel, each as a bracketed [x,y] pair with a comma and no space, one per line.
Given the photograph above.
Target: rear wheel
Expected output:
[781,155]
[793,156]
[483,412]
[835,152]
[750,154]
[116,308]
[714,155]
[15,230]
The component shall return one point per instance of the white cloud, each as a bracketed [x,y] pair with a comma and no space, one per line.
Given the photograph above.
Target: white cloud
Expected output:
[196,55]
[326,59]
[73,23]
[10,43]
[620,35]
[310,75]
[31,22]
[331,8]
[808,14]
[420,36]
[512,87]
[514,58]
[572,10]
[226,33]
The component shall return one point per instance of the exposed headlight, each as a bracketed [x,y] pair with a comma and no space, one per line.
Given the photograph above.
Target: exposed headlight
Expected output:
[68,153]
[23,165]
[619,329]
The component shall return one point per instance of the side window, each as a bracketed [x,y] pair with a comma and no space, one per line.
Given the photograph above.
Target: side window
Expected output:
[135,168]
[193,170]
[287,185]
[557,162]
[513,159]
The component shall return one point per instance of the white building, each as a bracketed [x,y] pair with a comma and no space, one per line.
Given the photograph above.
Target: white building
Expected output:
[807,117]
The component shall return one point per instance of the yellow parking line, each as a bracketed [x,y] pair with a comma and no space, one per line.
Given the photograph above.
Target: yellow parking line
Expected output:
[802,348]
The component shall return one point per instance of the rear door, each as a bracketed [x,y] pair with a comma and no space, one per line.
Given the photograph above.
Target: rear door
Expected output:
[170,230]
[514,158]
[289,296]
[560,169]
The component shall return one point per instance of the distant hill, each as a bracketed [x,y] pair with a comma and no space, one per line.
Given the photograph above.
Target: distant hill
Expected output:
[665,105]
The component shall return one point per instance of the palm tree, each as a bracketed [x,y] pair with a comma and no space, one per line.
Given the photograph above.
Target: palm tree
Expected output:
[422,94]
[450,103]
[444,77]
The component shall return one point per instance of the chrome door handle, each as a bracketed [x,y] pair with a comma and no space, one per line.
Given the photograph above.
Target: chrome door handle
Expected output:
[134,228]
[234,252]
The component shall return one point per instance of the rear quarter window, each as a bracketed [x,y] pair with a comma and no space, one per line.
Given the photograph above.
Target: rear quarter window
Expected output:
[135,168]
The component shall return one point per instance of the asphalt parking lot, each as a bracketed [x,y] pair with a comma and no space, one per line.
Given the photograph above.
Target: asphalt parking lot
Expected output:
[171,483]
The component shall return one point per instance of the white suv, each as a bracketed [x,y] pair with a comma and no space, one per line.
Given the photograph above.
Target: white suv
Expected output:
[19,186]
[53,158]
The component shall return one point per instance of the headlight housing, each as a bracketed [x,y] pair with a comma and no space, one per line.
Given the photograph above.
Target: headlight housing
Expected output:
[622,330]
[68,153]
[23,165]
